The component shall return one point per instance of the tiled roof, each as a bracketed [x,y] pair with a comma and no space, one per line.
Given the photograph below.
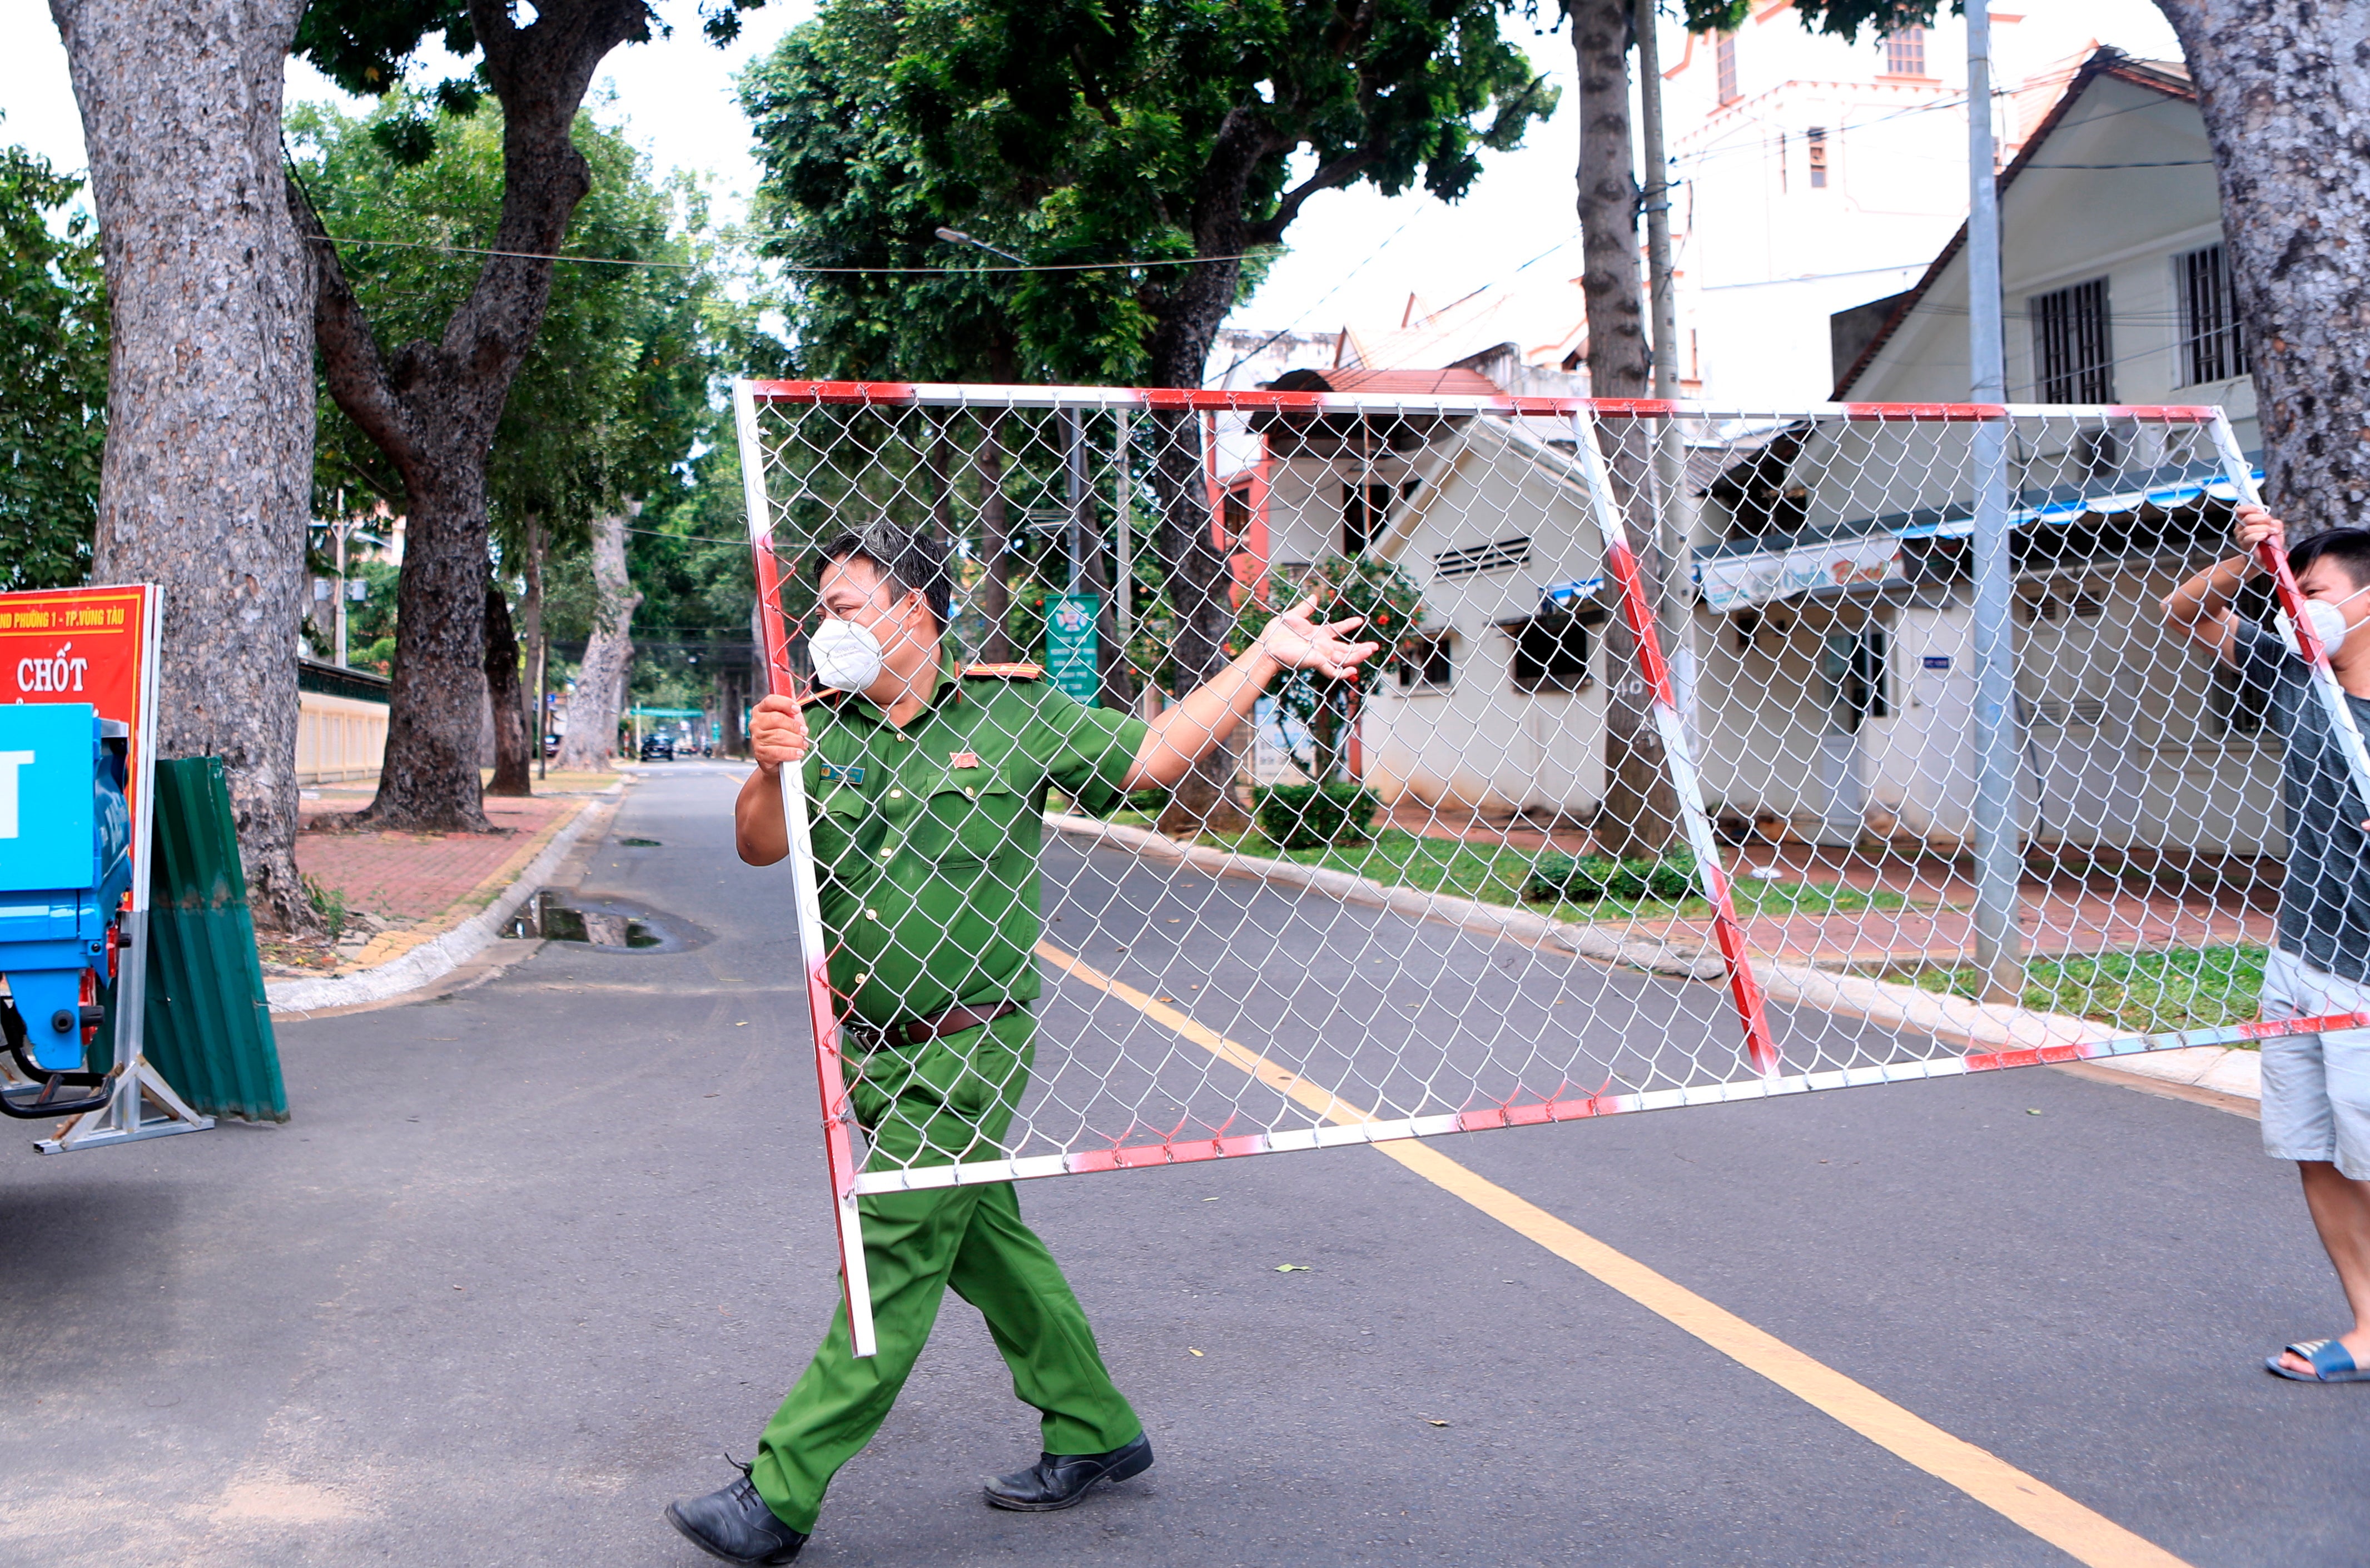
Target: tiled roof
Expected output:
[1457,382]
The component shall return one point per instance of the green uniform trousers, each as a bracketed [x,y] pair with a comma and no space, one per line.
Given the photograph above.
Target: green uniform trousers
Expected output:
[927,1105]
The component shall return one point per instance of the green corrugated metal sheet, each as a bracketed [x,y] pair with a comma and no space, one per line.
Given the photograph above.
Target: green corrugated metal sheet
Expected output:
[209,1025]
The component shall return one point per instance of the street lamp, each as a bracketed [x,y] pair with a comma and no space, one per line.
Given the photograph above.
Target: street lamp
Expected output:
[955,236]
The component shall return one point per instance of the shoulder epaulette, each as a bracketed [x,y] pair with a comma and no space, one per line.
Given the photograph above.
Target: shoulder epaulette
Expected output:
[1003,671]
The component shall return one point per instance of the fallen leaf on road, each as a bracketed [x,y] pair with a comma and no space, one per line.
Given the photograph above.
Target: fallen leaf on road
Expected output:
[1428,1421]
[1293,1268]
[2030,1112]
[1195,1352]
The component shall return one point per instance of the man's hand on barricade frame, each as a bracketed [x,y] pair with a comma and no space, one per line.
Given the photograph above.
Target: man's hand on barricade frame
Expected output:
[1208,714]
[2200,609]
[777,733]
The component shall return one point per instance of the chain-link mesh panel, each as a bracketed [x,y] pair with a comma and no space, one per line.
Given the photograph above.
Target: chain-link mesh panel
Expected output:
[1666,787]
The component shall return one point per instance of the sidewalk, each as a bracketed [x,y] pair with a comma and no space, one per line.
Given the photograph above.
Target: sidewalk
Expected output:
[408,905]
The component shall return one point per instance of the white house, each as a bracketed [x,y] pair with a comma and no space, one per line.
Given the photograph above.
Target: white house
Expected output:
[2115,292]
[1811,173]
[1830,635]
[1492,703]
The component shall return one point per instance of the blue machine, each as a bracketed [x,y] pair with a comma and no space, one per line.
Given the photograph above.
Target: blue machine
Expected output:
[65,865]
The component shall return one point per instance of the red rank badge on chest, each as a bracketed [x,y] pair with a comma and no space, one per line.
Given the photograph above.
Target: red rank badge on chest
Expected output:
[964,760]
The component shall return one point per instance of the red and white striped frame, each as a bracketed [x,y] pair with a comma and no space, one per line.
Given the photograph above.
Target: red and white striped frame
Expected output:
[830,1080]
[1769,1079]
[1745,992]
[952,395]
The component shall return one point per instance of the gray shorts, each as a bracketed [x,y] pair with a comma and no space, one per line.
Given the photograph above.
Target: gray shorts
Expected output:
[2316,1087]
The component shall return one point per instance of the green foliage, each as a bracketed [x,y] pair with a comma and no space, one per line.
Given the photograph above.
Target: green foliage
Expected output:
[840,189]
[1078,131]
[1310,817]
[1847,18]
[1560,878]
[1380,594]
[616,390]
[52,401]
[2184,987]
[691,563]
[327,902]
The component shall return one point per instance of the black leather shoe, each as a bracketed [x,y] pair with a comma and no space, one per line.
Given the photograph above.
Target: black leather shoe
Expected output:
[735,1525]
[1060,1481]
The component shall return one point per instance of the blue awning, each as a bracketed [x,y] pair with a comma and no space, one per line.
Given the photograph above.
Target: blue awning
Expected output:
[2059,512]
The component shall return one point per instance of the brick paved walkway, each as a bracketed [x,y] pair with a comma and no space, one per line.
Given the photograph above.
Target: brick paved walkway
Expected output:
[410,876]
[415,887]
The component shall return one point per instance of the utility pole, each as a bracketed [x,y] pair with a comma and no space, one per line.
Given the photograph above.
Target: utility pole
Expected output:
[1999,859]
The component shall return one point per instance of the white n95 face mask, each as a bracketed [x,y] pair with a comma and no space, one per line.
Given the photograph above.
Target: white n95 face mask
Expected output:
[848,658]
[2328,624]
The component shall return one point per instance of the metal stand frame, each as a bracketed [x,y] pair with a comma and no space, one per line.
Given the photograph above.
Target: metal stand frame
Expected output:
[838,1115]
[125,1117]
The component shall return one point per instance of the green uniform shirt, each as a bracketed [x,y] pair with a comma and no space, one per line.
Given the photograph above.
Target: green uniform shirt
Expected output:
[927,838]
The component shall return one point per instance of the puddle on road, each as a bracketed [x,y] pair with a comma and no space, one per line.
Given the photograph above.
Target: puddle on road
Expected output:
[615,927]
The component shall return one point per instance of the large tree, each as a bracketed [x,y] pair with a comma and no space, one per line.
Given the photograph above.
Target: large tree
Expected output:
[871,293]
[1641,812]
[2284,88]
[1166,131]
[53,400]
[206,477]
[433,404]
[613,394]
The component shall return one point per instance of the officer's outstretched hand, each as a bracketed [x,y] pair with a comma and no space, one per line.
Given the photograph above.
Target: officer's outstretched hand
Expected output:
[1297,640]
[777,733]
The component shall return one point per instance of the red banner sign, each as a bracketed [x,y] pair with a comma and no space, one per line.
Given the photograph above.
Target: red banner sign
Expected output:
[95,646]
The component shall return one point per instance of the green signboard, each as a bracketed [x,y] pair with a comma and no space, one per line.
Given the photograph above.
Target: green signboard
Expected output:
[1070,644]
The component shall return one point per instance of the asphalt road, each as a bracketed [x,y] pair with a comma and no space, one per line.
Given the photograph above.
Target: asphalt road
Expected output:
[532,1257]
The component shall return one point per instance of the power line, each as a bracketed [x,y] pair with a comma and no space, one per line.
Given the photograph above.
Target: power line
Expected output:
[796,267]
[686,538]
[1421,207]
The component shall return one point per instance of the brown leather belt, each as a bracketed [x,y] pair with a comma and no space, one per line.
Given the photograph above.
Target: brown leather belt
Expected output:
[920,1031]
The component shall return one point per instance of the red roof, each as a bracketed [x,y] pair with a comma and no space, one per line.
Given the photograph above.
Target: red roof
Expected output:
[1455,381]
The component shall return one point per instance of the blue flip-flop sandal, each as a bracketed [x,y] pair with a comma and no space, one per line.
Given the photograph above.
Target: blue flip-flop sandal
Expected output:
[2332,1363]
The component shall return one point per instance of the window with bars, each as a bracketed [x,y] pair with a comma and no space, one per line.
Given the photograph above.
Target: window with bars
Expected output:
[2073,351]
[1723,54]
[1814,147]
[1550,653]
[2213,341]
[1904,52]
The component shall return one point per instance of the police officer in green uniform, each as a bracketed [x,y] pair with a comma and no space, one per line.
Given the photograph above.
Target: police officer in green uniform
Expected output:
[926,784]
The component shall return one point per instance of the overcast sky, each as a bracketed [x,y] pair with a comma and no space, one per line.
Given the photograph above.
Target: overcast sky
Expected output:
[1355,254]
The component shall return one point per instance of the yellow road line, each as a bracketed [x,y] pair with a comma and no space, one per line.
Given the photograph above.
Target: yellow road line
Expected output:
[2081,1533]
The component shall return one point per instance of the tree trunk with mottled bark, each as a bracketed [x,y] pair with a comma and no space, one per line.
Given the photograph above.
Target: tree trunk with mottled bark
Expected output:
[592,707]
[503,684]
[994,591]
[206,484]
[433,406]
[2284,90]
[1185,538]
[1641,812]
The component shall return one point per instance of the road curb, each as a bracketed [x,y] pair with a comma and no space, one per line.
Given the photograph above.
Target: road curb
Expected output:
[439,956]
[2213,1072]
